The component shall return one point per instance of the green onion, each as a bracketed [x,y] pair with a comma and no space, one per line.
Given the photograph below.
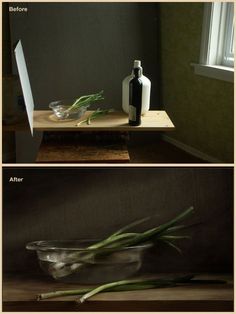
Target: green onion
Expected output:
[120,240]
[85,101]
[129,285]
[136,284]
[123,285]
[97,113]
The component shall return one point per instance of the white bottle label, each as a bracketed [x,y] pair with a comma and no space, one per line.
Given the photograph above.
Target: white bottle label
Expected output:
[132,113]
[146,91]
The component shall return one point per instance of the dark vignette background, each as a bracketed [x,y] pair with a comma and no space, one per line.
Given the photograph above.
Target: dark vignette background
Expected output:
[59,203]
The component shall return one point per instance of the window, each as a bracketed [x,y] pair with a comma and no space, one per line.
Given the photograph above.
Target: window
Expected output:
[217,47]
[228,46]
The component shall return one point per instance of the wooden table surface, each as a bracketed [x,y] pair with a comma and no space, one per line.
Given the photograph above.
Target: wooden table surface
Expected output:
[19,294]
[153,120]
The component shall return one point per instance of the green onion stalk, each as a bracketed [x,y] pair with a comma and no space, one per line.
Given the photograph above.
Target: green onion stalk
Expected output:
[128,285]
[85,101]
[121,239]
[94,115]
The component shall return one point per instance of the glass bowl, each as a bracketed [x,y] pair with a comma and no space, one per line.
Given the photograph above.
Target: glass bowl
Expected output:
[71,261]
[60,109]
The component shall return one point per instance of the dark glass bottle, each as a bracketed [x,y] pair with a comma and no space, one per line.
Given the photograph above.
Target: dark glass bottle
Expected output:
[135,98]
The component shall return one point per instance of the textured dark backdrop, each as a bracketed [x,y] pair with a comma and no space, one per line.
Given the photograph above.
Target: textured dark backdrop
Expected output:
[92,202]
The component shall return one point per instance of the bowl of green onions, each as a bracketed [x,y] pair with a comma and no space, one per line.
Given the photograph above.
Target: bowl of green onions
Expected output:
[82,262]
[74,108]
[116,257]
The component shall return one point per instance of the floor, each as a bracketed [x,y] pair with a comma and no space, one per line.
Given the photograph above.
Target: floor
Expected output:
[156,150]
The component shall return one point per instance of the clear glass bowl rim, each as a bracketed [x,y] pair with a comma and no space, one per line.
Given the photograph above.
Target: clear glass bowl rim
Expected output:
[59,103]
[50,245]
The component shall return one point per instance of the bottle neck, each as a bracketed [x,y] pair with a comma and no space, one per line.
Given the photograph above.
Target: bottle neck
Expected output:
[137,72]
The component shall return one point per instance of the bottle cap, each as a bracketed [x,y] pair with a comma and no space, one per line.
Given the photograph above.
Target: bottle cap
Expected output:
[137,63]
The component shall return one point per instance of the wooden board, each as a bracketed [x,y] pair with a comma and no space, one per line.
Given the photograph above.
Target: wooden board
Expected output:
[115,121]
[79,153]
[19,294]
[83,147]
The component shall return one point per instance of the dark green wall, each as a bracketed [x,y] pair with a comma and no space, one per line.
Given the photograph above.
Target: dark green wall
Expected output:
[201,107]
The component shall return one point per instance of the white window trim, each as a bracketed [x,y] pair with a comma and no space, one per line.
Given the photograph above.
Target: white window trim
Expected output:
[208,62]
[214,71]
[228,56]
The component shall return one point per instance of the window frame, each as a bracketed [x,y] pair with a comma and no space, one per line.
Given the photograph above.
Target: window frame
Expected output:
[228,48]
[215,59]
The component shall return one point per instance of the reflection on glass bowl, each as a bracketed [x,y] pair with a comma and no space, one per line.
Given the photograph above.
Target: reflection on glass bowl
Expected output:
[72,261]
[61,110]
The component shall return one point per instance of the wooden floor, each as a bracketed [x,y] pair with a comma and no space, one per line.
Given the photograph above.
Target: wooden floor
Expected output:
[151,150]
